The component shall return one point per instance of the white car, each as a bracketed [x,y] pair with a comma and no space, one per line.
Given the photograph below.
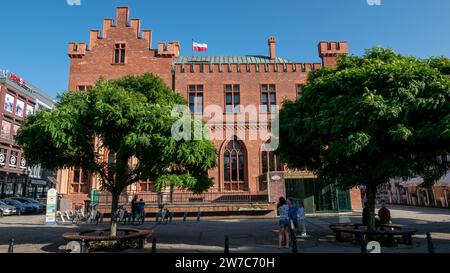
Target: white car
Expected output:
[7,210]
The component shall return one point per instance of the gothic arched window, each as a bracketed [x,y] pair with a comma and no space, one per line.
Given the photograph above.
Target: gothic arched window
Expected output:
[235,177]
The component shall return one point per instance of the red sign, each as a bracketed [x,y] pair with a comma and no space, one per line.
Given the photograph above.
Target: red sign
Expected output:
[18,80]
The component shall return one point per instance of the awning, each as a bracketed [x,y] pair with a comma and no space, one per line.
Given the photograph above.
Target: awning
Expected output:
[52,180]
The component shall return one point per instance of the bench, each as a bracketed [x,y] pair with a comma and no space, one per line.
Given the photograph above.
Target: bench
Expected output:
[388,231]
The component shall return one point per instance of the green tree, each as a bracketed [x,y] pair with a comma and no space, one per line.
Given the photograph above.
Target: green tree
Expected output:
[132,119]
[370,119]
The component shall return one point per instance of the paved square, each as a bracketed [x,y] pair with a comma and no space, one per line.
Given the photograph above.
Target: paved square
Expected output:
[246,235]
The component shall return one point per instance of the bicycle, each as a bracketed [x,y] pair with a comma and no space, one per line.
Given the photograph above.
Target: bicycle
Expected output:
[163,216]
[140,219]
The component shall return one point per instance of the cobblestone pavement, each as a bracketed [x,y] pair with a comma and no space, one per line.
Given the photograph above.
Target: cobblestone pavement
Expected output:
[254,235]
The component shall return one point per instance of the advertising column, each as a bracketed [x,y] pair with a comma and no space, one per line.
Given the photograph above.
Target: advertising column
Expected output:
[50,216]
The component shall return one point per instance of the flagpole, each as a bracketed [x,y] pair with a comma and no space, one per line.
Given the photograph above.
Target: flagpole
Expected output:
[192,47]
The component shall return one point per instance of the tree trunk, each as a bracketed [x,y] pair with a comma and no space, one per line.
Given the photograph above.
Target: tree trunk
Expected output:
[114,207]
[371,198]
[171,194]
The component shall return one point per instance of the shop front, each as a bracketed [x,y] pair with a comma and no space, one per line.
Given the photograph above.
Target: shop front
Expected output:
[12,185]
[318,196]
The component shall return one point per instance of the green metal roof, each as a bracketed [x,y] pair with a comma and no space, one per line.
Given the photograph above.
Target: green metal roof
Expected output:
[229,59]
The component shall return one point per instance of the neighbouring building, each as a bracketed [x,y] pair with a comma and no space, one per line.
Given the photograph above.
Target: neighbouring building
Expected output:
[231,82]
[19,99]
[413,193]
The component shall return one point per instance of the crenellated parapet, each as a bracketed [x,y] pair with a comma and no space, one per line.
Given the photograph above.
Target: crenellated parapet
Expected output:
[77,50]
[210,67]
[329,51]
[170,49]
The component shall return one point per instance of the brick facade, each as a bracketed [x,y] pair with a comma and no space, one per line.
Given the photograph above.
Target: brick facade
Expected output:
[97,60]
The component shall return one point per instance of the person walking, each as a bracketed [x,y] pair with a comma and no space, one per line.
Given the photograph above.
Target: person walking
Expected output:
[302,218]
[134,208]
[283,212]
[293,216]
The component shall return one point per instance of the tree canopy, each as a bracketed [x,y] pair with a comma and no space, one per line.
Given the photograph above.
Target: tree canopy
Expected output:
[131,119]
[370,119]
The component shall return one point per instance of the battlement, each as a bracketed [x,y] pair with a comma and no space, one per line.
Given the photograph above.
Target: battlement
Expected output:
[332,48]
[205,67]
[170,49]
[77,50]
[329,51]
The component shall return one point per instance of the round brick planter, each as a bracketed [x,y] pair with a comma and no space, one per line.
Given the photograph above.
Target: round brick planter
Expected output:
[125,234]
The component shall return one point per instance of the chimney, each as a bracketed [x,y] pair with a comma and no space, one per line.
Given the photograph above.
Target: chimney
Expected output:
[122,15]
[272,43]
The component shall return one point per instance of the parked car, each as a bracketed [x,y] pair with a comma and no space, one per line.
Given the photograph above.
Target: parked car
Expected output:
[22,207]
[39,207]
[7,210]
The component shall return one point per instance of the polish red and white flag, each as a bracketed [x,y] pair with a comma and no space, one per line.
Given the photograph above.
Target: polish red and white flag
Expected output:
[200,47]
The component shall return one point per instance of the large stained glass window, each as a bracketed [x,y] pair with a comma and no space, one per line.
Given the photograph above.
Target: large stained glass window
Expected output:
[235,177]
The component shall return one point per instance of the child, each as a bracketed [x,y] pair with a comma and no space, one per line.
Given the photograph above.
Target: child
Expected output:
[142,208]
[302,219]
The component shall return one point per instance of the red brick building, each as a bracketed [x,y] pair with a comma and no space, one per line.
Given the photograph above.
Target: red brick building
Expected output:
[229,82]
[18,99]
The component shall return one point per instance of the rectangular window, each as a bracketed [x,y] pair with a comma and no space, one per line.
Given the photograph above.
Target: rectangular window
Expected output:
[196,99]
[145,186]
[232,98]
[20,107]
[6,130]
[30,110]
[119,54]
[83,87]
[268,98]
[15,129]
[80,183]
[299,90]
[9,103]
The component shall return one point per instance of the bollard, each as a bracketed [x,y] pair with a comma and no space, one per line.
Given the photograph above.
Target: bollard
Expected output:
[199,215]
[154,245]
[363,247]
[184,217]
[82,246]
[11,246]
[1,213]
[157,217]
[430,243]
[294,245]
[171,217]
[227,245]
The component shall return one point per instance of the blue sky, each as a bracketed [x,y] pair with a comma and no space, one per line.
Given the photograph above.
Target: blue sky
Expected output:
[34,34]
